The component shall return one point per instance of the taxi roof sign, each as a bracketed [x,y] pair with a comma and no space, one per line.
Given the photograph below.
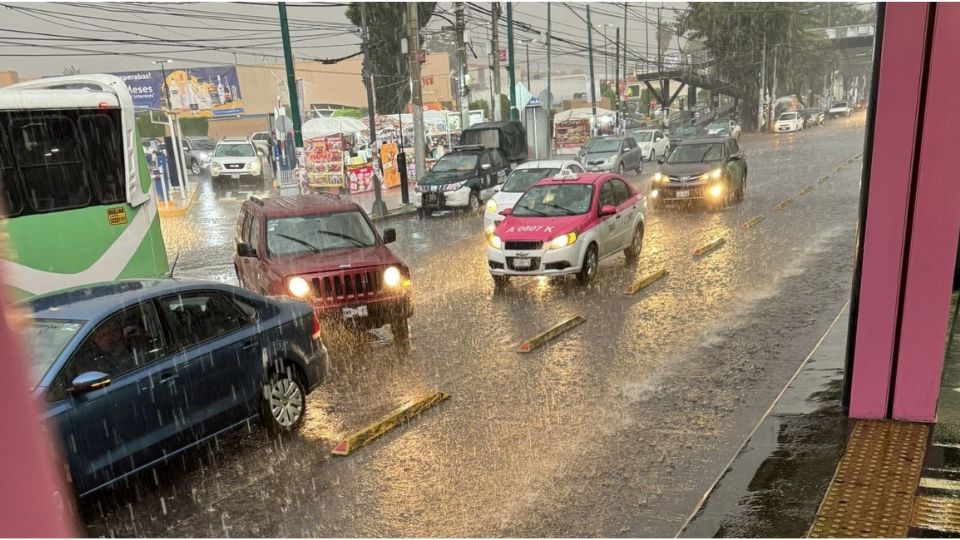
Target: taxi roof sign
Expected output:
[566,174]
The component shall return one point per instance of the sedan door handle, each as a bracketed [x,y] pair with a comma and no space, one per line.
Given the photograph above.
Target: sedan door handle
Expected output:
[618,216]
[167,377]
[250,345]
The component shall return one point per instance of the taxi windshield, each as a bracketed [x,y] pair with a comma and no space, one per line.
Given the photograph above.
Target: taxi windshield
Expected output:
[521,179]
[552,200]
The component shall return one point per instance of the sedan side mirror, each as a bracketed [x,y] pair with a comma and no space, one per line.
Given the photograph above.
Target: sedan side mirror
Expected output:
[389,236]
[245,250]
[89,381]
[497,188]
[608,210]
[506,212]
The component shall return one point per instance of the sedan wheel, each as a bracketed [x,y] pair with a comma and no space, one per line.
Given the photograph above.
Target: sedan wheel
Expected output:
[474,201]
[589,269]
[195,168]
[636,244]
[284,402]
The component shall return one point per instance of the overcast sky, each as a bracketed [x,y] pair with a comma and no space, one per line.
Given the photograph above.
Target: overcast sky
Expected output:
[43,38]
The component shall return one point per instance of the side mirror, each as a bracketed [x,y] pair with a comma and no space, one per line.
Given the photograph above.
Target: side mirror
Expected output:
[91,380]
[389,236]
[608,210]
[260,152]
[245,250]
[660,160]
[485,167]
[497,188]
[506,212]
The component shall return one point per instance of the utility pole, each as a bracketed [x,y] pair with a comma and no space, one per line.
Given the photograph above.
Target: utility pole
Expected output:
[462,102]
[773,88]
[529,88]
[763,82]
[379,207]
[549,96]
[593,86]
[606,74]
[416,96]
[166,87]
[616,83]
[498,112]
[291,76]
[514,112]
[623,104]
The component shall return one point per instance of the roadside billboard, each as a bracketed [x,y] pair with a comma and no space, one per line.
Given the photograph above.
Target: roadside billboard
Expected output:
[204,91]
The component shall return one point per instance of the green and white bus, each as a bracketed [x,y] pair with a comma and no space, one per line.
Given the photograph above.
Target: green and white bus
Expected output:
[78,198]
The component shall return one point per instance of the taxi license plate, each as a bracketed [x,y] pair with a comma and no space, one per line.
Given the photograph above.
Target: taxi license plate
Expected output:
[521,263]
[353,312]
[234,176]
[683,194]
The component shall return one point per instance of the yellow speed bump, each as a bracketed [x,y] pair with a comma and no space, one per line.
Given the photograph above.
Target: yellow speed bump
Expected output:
[396,417]
[539,341]
[753,222]
[823,178]
[646,281]
[710,246]
[806,190]
[784,203]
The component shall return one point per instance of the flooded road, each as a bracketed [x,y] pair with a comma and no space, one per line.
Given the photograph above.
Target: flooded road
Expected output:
[616,428]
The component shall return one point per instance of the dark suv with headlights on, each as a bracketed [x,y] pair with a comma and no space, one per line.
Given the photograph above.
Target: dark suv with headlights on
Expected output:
[711,169]
[325,251]
[464,178]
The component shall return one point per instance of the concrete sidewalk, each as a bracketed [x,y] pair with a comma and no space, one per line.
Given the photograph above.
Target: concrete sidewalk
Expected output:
[391,197]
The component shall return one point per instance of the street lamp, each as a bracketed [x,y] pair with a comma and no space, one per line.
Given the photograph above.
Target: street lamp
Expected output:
[163,70]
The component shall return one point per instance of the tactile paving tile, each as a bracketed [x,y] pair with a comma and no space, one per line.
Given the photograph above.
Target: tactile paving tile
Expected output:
[872,493]
[936,513]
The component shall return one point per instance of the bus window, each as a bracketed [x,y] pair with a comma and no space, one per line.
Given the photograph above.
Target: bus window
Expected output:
[48,155]
[103,158]
[12,204]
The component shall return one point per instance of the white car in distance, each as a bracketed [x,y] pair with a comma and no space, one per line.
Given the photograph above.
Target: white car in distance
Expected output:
[525,175]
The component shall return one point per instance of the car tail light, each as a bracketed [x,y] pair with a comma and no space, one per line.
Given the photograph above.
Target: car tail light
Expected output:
[316,325]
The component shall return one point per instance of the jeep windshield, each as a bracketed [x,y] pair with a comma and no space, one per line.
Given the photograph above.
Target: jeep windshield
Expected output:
[552,200]
[314,234]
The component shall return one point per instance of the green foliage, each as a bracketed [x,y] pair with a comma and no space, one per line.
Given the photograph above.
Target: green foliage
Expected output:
[480,104]
[147,129]
[348,113]
[385,22]
[195,126]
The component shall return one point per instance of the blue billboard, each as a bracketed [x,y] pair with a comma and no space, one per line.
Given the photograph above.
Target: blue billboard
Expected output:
[204,91]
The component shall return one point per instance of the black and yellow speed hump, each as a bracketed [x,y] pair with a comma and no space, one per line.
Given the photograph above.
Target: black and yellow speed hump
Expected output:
[396,417]
[538,341]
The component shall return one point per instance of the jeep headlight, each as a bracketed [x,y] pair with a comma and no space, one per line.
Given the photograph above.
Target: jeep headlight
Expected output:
[491,206]
[562,241]
[298,286]
[392,276]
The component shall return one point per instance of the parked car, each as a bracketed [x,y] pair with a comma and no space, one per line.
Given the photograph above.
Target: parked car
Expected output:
[585,149]
[197,152]
[131,373]
[711,170]
[814,117]
[567,224]
[618,154]
[525,175]
[464,178]
[684,132]
[264,140]
[789,121]
[236,161]
[724,127]
[652,143]
[324,250]
[150,149]
[839,108]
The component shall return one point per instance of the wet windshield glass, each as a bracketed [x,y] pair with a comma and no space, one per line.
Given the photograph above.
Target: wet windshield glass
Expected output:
[643,136]
[521,179]
[314,234]
[606,146]
[234,150]
[456,162]
[718,125]
[555,200]
[696,153]
[788,116]
[46,339]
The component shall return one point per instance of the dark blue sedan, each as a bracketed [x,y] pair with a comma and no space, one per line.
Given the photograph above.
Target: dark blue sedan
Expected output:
[133,372]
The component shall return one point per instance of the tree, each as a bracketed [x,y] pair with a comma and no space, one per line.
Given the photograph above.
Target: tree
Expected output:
[147,129]
[385,24]
[480,104]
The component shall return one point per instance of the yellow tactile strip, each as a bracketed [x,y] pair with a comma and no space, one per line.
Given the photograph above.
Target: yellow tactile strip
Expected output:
[937,514]
[872,493]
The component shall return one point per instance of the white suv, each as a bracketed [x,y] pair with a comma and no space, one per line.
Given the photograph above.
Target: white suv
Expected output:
[839,108]
[236,161]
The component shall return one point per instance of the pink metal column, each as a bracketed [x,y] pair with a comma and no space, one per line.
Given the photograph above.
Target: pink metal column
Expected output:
[936,225]
[894,131]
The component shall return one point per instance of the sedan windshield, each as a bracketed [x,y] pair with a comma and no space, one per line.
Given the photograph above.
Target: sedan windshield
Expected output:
[696,153]
[234,150]
[456,162]
[555,200]
[313,234]
[684,131]
[607,146]
[521,179]
[47,338]
[788,116]
[718,125]
[642,136]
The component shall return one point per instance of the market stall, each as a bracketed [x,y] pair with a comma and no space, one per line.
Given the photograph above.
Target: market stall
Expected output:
[573,127]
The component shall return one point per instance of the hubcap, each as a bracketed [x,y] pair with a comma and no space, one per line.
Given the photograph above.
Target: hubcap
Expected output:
[637,238]
[474,202]
[591,264]
[196,168]
[286,402]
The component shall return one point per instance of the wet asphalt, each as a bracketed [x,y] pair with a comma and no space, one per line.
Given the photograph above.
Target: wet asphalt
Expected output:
[616,428]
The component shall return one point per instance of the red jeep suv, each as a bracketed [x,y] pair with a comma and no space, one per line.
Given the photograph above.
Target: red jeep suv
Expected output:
[325,251]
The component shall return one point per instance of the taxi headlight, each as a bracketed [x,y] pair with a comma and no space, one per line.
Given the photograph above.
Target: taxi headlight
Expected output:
[562,241]
[392,276]
[492,206]
[495,242]
[298,286]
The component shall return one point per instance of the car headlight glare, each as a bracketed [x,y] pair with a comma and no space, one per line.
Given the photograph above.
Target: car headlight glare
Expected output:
[491,206]
[495,242]
[716,174]
[654,193]
[563,241]
[392,276]
[454,187]
[716,190]
[298,286]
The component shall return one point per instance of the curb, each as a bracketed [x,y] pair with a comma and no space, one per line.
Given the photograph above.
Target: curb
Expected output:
[396,417]
[538,341]
[164,208]
[710,246]
[646,281]
[753,222]
[400,212]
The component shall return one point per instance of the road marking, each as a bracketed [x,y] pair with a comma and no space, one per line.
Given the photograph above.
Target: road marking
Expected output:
[753,222]
[534,343]
[823,178]
[806,190]
[708,247]
[783,204]
[396,417]
[646,281]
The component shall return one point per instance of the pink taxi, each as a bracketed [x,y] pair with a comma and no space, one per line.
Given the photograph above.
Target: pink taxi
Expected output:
[567,224]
